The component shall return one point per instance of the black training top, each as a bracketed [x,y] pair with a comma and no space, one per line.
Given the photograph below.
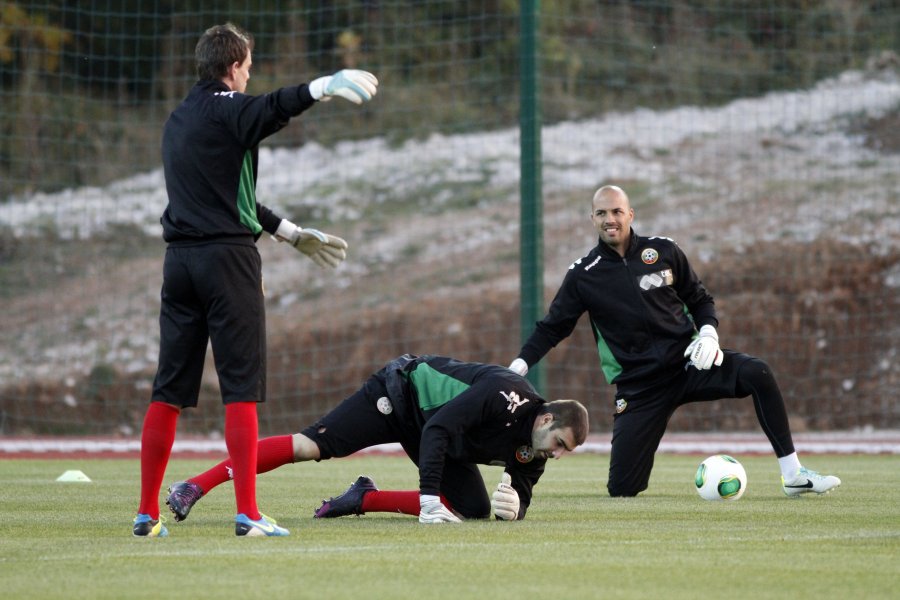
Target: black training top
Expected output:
[470,412]
[210,155]
[644,309]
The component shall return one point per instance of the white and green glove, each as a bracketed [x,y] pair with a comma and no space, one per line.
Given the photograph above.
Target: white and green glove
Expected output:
[351,84]
[325,250]
[519,366]
[432,510]
[505,501]
[704,351]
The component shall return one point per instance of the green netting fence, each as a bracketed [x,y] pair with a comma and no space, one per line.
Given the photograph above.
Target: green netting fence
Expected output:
[761,136]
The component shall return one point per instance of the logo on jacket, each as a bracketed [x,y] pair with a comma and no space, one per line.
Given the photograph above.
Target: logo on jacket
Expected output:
[621,405]
[587,268]
[649,256]
[524,454]
[655,280]
[513,401]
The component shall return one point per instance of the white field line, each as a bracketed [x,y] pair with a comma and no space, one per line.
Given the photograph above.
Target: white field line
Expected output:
[864,442]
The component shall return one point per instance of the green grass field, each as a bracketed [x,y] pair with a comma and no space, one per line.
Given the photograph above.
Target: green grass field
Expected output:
[73,540]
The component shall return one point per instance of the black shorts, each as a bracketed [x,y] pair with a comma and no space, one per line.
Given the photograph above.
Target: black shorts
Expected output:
[639,426]
[211,293]
[368,418]
[361,421]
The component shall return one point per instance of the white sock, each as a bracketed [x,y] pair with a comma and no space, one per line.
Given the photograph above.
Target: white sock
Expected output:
[789,464]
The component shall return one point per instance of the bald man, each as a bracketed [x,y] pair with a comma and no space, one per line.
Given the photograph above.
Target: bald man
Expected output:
[655,327]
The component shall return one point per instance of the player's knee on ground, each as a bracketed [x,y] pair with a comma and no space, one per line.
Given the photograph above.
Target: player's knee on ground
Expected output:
[618,490]
[467,501]
[629,478]
[472,508]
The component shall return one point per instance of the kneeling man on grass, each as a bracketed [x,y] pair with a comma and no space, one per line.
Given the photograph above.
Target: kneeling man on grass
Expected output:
[449,416]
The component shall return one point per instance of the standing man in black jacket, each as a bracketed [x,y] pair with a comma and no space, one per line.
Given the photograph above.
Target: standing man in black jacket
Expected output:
[449,416]
[212,277]
[655,327]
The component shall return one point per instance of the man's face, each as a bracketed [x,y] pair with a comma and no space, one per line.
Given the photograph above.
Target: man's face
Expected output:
[240,75]
[548,442]
[612,216]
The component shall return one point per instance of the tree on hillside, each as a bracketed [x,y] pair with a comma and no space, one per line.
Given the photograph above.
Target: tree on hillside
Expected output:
[29,47]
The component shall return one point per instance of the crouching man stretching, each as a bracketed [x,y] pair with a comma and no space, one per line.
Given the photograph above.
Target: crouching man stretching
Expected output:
[449,416]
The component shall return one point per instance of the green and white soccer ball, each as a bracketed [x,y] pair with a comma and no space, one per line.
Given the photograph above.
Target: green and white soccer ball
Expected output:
[720,477]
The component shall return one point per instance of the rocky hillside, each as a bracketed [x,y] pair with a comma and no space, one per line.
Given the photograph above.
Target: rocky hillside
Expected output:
[788,205]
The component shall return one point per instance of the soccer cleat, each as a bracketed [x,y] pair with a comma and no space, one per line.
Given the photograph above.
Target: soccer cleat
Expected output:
[348,503]
[144,526]
[264,527]
[182,497]
[807,481]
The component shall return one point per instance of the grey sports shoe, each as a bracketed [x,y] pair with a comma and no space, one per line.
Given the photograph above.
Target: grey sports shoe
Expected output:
[348,503]
[807,481]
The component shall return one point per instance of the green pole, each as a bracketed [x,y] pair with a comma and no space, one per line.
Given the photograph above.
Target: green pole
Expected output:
[531,203]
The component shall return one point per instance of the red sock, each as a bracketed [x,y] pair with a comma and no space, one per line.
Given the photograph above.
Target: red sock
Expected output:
[241,433]
[157,437]
[405,502]
[272,452]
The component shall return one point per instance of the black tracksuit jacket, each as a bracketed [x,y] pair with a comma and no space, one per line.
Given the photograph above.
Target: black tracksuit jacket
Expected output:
[210,157]
[469,412]
[644,309]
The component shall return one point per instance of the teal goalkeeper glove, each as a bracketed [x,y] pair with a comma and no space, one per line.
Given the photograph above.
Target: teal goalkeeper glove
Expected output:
[351,84]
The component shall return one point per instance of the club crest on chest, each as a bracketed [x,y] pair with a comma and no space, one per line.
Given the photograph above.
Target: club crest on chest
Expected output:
[649,256]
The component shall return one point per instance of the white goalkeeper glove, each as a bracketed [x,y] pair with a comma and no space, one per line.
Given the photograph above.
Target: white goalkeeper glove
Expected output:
[352,84]
[505,500]
[519,366]
[704,351]
[325,250]
[432,510]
